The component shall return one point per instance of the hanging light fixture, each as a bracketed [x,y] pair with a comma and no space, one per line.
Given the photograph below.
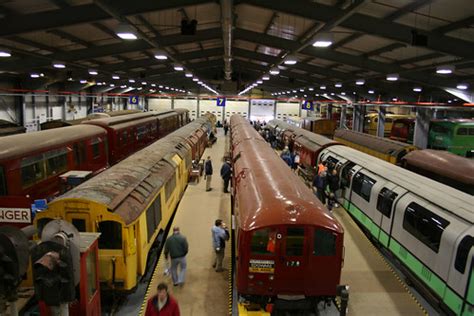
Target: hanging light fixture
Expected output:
[417,89]
[290,60]
[371,91]
[445,70]
[59,65]
[126,31]
[324,40]
[274,71]
[35,75]
[322,87]
[338,85]
[266,77]
[188,75]
[195,79]
[83,81]
[115,77]
[93,72]
[178,67]
[4,52]
[392,77]
[462,86]
[259,81]
[131,80]
[360,82]
[160,54]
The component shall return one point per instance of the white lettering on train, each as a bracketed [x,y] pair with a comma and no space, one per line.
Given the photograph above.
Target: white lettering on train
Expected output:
[15,215]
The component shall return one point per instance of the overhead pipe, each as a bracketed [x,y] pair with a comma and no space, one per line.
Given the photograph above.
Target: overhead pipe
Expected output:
[227,26]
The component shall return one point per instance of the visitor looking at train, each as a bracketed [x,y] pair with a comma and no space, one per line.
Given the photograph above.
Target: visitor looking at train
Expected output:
[319,183]
[226,173]
[176,247]
[226,128]
[162,304]
[220,234]
[208,173]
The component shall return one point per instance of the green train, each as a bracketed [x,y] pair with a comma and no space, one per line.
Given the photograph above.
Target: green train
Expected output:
[453,135]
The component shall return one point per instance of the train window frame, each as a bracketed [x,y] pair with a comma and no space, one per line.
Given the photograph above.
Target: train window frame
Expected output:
[91,269]
[170,186]
[418,221]
[346,174]
[79,153]
[110,238]
[26,164]
[3,182]
[56,162]
[464,130]
[322,245]
[95,149]
[290,244]
[359,185]
[142,132]
[385,201]
[263,244]
[462,253]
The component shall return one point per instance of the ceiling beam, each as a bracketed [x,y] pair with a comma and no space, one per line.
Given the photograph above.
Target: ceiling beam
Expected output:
[384,49]
[464,23]
[70,37]
[370,25]
[87,13]
[410,7]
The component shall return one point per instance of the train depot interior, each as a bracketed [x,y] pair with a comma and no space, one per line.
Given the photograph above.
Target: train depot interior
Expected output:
[236,157]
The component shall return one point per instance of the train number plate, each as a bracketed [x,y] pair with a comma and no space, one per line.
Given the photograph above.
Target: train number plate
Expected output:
[261,266]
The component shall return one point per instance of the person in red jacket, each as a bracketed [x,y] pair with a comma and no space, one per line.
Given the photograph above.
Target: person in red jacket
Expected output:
[162,304]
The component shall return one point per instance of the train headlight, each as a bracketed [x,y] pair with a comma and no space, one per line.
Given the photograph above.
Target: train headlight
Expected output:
[270,277]
[251,276]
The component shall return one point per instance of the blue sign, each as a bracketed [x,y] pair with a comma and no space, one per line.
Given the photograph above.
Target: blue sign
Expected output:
[308,105]
[220,101]
[133,99]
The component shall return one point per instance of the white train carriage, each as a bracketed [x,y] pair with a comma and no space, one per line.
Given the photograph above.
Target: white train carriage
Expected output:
[427,225]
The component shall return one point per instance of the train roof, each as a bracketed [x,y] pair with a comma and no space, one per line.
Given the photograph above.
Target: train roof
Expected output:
[379,144]
[18,145]
[454,121]
[311,140]
[444,163]
[270,193]
[127,187]
[116,120]
[450,199]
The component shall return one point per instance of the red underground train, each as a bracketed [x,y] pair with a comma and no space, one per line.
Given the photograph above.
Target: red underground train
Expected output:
[289,248]
[31,164]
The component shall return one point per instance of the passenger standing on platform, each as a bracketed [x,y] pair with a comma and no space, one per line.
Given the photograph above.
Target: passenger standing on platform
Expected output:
[220,234]
[226,173]
[177,247]
[226,128]
[333,184]
[319,183]
[208,173]
[162,304]
[322,167]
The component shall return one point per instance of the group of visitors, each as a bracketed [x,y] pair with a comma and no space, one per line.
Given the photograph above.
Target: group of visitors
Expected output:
[326,184]
[291,158]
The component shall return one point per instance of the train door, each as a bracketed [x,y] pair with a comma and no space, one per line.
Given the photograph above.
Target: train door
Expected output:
[292,261]
[387,199]
[468,306]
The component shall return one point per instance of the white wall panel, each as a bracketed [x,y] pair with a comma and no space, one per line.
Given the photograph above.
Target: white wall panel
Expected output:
[210,106]
[7,109]
[159,104]
[262,109]
[287,109]
[189,104]
[236,107]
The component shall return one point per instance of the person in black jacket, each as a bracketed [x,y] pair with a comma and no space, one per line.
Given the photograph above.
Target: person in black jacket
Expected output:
[226,173]
[208,173]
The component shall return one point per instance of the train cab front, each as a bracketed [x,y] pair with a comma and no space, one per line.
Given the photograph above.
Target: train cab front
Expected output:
[289,268]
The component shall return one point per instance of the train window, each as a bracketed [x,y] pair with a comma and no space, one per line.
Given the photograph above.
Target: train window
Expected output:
[141,132]
[32,170]
[153,216]
[324,243]
[294,241]
[79,153]
[463,252]
[332,161]
[424,225]
[263,242]
[56,163]
[170,185]
[95,148]
[80,224]
[124,138]
[471,131]
[362,185]
[385,201]
[462,131]
[91,263]
[110,235]
[346,175]
[3,183]
[440,129]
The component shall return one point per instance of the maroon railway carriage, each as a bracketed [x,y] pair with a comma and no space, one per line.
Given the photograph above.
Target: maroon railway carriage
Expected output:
[288,244]
[30,165]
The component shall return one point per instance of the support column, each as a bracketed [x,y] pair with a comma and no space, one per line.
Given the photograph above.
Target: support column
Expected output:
[198,110]
[422,126]
[250,107]
[355,118]
[23,110]
[33,106]
[63,100]
[329,111]
[172,103]
[47,107]
[299,111]
[146,106]
[381,122]
[275,109]
[342,119]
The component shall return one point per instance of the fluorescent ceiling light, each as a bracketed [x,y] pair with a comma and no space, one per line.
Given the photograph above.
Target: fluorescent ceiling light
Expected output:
[393,77]
[360,82]
[123,86]
[343,93]
[323,40]
[153,85]
[310,88]
[5,52]
[274,71]
[188,74]
[59,64]
[83,81]
[259,81]
[115,77]
[290,60]
[93,72]
[338,85]
[417,89]
[322,87]
[144,83]
[131,80]
[70,79]
[445,70]
[322,43]
[371,91]
[301,90]
[126,32]
[112,85]
[160,54]
[462,86]
[199,82]
[35,75]
[178,67]
[195,79]
[266,77]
